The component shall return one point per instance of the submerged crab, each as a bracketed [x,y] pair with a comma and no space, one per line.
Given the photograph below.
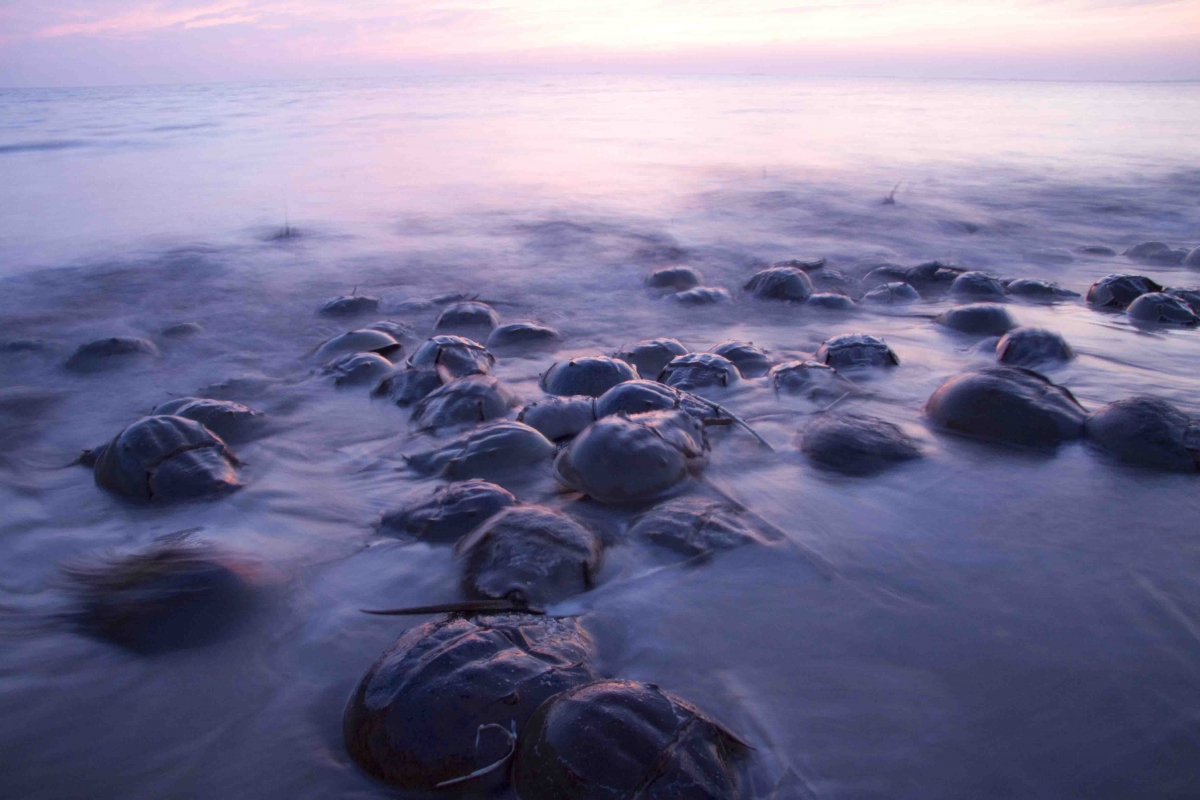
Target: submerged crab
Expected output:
[469,317]
[228,420]
[699,371]
[354,369]
[560,418]
[466,400]
[1147,432]
[856,445]
[1027,347]
[116,351]
[780,283]
[674,278]
[450,513]
[1160,308]
[977,285]
[523,336]
[1010,405]
[365,340]
[1037,289]
[986,319]
[346,306]
[651,355]
[166,458]
[632,459]
[454,354]
[1118,291]
[853,350]
[810,378]
[750,361]
[446,701]
[691,526]
[625,740]
[892,294]
[493,449]
[589,376]
[530,555]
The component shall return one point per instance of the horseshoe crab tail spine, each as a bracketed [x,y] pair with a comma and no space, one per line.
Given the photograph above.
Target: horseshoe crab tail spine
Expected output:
[510,733]
[741,423]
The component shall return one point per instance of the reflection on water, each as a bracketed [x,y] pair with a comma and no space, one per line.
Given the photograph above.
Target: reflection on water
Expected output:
[979,622]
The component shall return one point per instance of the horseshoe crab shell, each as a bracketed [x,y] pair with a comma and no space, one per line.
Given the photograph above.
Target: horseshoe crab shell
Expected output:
[559,418]
[691,526]
[854,350]
[408,386]
[530,555]
[166,458]
[1026,347]
[228,420]
[455,354]
[651,355]
[346,306]
[444,700]
[632,459]
[1147,432]
[624,740]
[750,361]
[589,376]
[699,371]
[463,401]
[354,369]
[450,513]
[677,278]
[365,340]
[1191,296]
[113,352]
[809,378]
[167,597]
[1118,291]
[493,449]
[985,319]
[780,283]
[892,294]
[1160,308]
[856,445]
[830,301]
[466,317]
[1010,405]
[977,285]
[1037,289]
[640,396]
[523,336]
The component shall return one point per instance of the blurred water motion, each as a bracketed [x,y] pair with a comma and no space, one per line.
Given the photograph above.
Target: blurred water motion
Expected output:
[977,623]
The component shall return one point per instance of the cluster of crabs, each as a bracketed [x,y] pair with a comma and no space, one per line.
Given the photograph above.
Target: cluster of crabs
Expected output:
[495,693]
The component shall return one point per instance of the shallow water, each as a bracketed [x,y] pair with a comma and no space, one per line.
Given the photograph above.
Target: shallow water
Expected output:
[982,622]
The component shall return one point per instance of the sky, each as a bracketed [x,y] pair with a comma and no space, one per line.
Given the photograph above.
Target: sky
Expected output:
[107,42]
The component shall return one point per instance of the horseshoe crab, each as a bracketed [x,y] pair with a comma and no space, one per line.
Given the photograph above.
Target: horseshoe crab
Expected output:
[530,555]
[1160,308]
[699,371]
[854,350]
[493,449]
[589,376]
[976,284]
[397,330]
[408,386]
[354,369]
[640,396]
[170,596]
[856,445]
[1037,289]
[1147,432]
[228,420]
[1026,347]
[166,458]
[466,318]
[749,360]
[116,351]
[676,278]
[1096,250]
[830,301]
[931,278]
[702,296]
[625,741]
[560,418]
[1192,259]
[691,526]
[365,340]
[780,283]
[182,330]
[808,378]
[450,513]
[346,306]
[523,336]
[466,400]
[632,459]
[651,355]
[892,294]
[1190,296]
[1156,253]
[1118,291]
[986,319]
[1010,405]
[455,354]
[448,698]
